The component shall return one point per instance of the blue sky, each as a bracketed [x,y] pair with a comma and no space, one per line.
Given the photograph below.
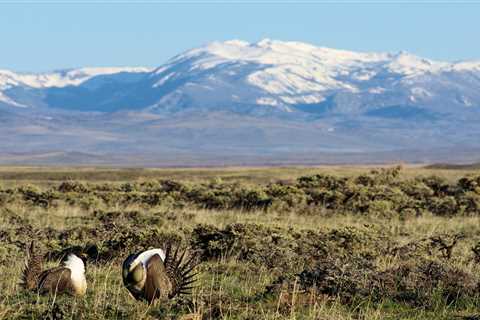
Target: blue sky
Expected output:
[54,35]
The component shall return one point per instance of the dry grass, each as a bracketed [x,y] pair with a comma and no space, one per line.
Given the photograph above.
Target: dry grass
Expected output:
[19,175]
[238,284]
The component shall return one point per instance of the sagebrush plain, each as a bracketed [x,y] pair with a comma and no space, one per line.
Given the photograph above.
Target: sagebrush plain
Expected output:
[274,243]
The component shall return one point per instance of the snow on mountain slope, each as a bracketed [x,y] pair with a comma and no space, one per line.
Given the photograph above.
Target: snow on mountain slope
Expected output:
[258,77]
[10,81]
[9,101]
[73,77]
[234,98]
[292,73]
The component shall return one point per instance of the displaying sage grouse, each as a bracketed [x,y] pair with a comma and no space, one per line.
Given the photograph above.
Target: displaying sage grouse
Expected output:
[68,278]
[156,273]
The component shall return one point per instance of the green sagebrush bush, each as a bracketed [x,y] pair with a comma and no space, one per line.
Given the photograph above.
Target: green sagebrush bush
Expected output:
[420,283]
[379,193]
[285,249]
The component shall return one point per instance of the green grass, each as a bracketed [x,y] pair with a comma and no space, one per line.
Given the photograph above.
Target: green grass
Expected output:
[257,262]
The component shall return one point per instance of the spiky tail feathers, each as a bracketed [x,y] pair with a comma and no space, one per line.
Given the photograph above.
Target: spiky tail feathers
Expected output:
[32,269]
[180,266]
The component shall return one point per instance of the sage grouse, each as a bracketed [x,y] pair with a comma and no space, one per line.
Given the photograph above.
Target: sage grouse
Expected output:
[156,273]
[68,278]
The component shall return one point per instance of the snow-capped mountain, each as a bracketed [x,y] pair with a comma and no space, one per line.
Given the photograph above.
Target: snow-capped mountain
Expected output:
[283,96]
[63,78]
[298,76]
[10,81]
[285,76]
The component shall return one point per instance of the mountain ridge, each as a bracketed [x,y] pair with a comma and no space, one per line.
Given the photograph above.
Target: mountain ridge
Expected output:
[295,72]
[265,98]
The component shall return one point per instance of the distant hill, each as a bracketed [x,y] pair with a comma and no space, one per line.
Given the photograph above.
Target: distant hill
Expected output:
[235,102]
[473,166]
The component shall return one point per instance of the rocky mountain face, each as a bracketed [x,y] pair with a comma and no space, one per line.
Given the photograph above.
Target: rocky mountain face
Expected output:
[248,103]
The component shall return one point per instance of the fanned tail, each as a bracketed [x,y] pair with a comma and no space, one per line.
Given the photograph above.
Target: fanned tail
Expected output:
[32,269]
[180,267]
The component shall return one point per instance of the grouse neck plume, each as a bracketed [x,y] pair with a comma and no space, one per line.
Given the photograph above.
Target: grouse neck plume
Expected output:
[158,274]
[68,278]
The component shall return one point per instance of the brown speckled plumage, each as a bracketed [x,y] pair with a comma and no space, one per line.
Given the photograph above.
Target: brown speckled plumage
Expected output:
[33,268]
[162,279]
[56,280]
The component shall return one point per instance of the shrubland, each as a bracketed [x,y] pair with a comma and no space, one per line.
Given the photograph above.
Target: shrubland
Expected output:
[374,244]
